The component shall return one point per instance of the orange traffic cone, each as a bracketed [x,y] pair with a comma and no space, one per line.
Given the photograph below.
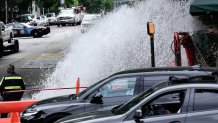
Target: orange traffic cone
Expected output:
[77,85]
[15,117]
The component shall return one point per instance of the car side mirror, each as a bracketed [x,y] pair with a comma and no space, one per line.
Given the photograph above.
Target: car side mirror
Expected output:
[97,98]
[72,96]
[138,114]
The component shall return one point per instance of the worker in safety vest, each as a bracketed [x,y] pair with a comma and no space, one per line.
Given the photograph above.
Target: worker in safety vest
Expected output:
[11,82]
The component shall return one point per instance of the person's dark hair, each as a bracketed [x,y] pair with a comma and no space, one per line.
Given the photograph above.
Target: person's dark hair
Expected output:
[10,68]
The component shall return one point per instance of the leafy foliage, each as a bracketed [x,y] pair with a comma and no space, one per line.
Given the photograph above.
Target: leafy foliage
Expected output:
[96,6]
[17,7]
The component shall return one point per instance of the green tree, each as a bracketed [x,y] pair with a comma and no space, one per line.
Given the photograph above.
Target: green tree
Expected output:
[107,5]
[96,6]
[48,5]
[15,8]
[75,2]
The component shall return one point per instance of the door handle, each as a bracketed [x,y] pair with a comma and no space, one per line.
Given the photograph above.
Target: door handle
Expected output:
[175,122]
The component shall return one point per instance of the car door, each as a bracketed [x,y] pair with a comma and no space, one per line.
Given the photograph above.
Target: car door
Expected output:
[4,35]
[204,108]
[113,92]
[20,30]
[7,32]
[168,107]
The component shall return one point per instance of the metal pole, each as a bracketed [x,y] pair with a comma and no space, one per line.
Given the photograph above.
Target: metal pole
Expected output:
[6,12]
[152,51]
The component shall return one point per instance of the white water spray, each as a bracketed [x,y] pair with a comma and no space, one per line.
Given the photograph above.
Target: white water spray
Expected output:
[120,41]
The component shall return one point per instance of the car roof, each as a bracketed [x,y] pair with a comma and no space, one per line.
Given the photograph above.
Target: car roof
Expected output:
[193,81]
[192,85]
[191,71]
[165,69]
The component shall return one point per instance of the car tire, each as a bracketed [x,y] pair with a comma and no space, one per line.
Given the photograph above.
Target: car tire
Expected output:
[1,48]
[35,34]
[53,118]
[58,25]
[16,47]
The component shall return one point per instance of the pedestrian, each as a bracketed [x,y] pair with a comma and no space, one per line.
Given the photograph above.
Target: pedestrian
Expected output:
[11,82]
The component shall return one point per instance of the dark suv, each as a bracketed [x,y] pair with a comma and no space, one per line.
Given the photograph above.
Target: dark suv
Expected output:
[180,101]
[113,90]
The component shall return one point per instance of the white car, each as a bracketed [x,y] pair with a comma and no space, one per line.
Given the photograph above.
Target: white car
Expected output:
[34,21]
[52,19]
[7,32]
[43,21]
[88,21]
[6,40]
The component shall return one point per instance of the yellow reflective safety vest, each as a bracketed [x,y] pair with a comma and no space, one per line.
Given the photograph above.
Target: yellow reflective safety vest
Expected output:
[11,82]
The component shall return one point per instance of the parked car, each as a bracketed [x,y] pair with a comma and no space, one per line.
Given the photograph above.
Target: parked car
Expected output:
[52,19]
[66,16]
[6,39]
[7,32]
[180,101]
[23,29]
[88,21]
[30,19]
[115,90]
[43,21]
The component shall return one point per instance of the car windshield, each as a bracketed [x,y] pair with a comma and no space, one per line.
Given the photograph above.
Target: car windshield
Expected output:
[89,88]
[26,25]
[50,15]
[127,106]
[67,11]
[9,25]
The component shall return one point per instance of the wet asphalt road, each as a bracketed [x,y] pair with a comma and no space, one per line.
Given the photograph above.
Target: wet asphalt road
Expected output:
[38,56]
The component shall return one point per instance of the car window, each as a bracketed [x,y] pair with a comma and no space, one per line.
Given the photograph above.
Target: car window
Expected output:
[167,103]
[205,99]
[2,26]
[50,15]
[17,25]
[130,104]
[89,88]
[119,87]
[154,79]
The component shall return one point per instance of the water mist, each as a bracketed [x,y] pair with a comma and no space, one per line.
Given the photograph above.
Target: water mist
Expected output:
[119,41]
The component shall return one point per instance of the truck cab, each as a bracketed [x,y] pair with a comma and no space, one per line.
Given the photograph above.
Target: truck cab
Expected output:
[7,33]
[6,40]
[1,42]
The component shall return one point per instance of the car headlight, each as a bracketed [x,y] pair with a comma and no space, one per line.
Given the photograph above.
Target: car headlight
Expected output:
[29,113]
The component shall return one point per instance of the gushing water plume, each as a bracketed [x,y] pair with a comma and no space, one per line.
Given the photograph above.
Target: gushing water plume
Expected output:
[119,41]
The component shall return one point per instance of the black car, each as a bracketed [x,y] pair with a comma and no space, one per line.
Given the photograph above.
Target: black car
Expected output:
[23,29]
[114,90]
[174,101]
